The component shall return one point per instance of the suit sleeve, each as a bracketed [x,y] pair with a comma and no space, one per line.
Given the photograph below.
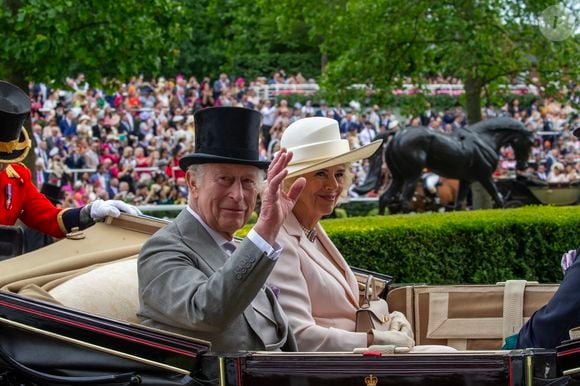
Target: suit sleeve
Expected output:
[549,326]
[296,300]
[175,291]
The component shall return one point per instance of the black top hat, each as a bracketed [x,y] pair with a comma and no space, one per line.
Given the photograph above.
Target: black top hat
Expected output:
[14,108]
[52,192]
[226,135]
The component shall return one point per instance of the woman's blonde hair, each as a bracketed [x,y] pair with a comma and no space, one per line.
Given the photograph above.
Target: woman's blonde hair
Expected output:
[348,176]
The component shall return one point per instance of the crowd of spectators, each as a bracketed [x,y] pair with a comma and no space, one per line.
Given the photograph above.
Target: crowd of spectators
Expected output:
[125,141]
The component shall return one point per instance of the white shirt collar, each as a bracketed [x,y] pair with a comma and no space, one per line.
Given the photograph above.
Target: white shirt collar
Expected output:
[218,238]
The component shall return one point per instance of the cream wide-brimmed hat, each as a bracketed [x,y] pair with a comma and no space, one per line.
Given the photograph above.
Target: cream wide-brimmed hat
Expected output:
[84,118]
[557,165]
[316,144]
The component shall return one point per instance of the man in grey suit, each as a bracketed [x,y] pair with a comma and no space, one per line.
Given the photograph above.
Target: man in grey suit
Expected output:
[193,279]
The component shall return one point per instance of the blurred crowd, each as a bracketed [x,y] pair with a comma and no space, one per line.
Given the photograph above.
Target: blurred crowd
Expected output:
[124,141]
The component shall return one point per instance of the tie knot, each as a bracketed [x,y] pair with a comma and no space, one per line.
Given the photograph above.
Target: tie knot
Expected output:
[229,247]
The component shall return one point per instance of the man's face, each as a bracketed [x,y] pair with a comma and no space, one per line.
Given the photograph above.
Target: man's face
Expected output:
[226,196]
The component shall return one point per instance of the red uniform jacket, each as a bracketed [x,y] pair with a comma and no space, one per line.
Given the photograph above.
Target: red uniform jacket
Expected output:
[20,199]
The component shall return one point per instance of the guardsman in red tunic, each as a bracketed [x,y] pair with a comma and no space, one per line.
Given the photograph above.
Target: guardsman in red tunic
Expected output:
[19,197]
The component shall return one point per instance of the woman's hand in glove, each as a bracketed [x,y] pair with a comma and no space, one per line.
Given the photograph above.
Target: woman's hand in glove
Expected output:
[400,323]
[396,338]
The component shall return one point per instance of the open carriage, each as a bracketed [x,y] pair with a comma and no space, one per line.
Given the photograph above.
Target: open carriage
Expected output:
[67,316]
[518,192]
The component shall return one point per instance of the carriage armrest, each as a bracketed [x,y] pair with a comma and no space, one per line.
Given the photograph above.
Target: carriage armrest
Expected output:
[11,241]
[382,276]
[380,284]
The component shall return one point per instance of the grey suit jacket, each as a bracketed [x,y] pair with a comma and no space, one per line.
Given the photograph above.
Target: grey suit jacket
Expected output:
[188,285]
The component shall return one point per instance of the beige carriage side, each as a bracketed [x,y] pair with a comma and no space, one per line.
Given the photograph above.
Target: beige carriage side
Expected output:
[469,317]
[109,249]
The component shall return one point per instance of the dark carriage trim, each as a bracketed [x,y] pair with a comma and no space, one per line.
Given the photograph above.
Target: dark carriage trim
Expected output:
[483,368]
[111,334]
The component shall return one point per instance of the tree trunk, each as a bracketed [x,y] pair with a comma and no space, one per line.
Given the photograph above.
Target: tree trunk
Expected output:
[323,62]
[473,87]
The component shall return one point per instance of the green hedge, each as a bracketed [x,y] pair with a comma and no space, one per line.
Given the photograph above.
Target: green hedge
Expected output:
[461,247]
[360,208]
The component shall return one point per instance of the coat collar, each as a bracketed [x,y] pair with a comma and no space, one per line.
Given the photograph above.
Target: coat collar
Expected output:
[346,280]
[198,239]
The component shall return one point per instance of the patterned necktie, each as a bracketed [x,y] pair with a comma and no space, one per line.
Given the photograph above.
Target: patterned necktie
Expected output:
[229,247]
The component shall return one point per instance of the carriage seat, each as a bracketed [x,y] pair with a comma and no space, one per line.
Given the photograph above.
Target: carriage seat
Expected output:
[110,290]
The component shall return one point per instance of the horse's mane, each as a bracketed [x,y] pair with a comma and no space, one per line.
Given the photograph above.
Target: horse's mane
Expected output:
[500,124]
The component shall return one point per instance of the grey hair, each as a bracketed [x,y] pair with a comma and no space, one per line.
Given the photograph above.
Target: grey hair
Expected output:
[198,172]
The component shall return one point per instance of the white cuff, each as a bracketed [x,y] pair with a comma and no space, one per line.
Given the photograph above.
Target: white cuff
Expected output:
[272,252]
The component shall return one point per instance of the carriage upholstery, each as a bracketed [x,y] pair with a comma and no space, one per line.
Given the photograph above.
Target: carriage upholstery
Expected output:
[110,290]
[469,317]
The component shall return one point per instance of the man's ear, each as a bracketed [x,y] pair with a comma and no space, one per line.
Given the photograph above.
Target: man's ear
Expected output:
[190,180]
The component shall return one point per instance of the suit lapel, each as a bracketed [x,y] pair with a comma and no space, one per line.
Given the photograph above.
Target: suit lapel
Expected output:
[196,237]
[347,281]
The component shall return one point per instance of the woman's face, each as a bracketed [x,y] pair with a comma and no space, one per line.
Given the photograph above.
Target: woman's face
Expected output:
[321,193]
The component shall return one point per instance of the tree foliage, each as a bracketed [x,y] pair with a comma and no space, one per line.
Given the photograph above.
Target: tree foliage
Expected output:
[46,40]
[483,43]
[241,38]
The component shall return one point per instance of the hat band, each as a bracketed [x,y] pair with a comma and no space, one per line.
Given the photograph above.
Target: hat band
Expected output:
[318,151]
[15,145]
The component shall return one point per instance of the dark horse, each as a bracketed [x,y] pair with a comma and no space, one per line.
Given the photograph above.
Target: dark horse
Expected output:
[468,155]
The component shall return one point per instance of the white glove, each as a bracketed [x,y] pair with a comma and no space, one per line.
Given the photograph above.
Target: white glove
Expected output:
[396,338]
[101,209]
[400,323]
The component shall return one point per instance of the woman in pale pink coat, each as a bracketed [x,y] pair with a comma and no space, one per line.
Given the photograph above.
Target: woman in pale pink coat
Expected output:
[317,289]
